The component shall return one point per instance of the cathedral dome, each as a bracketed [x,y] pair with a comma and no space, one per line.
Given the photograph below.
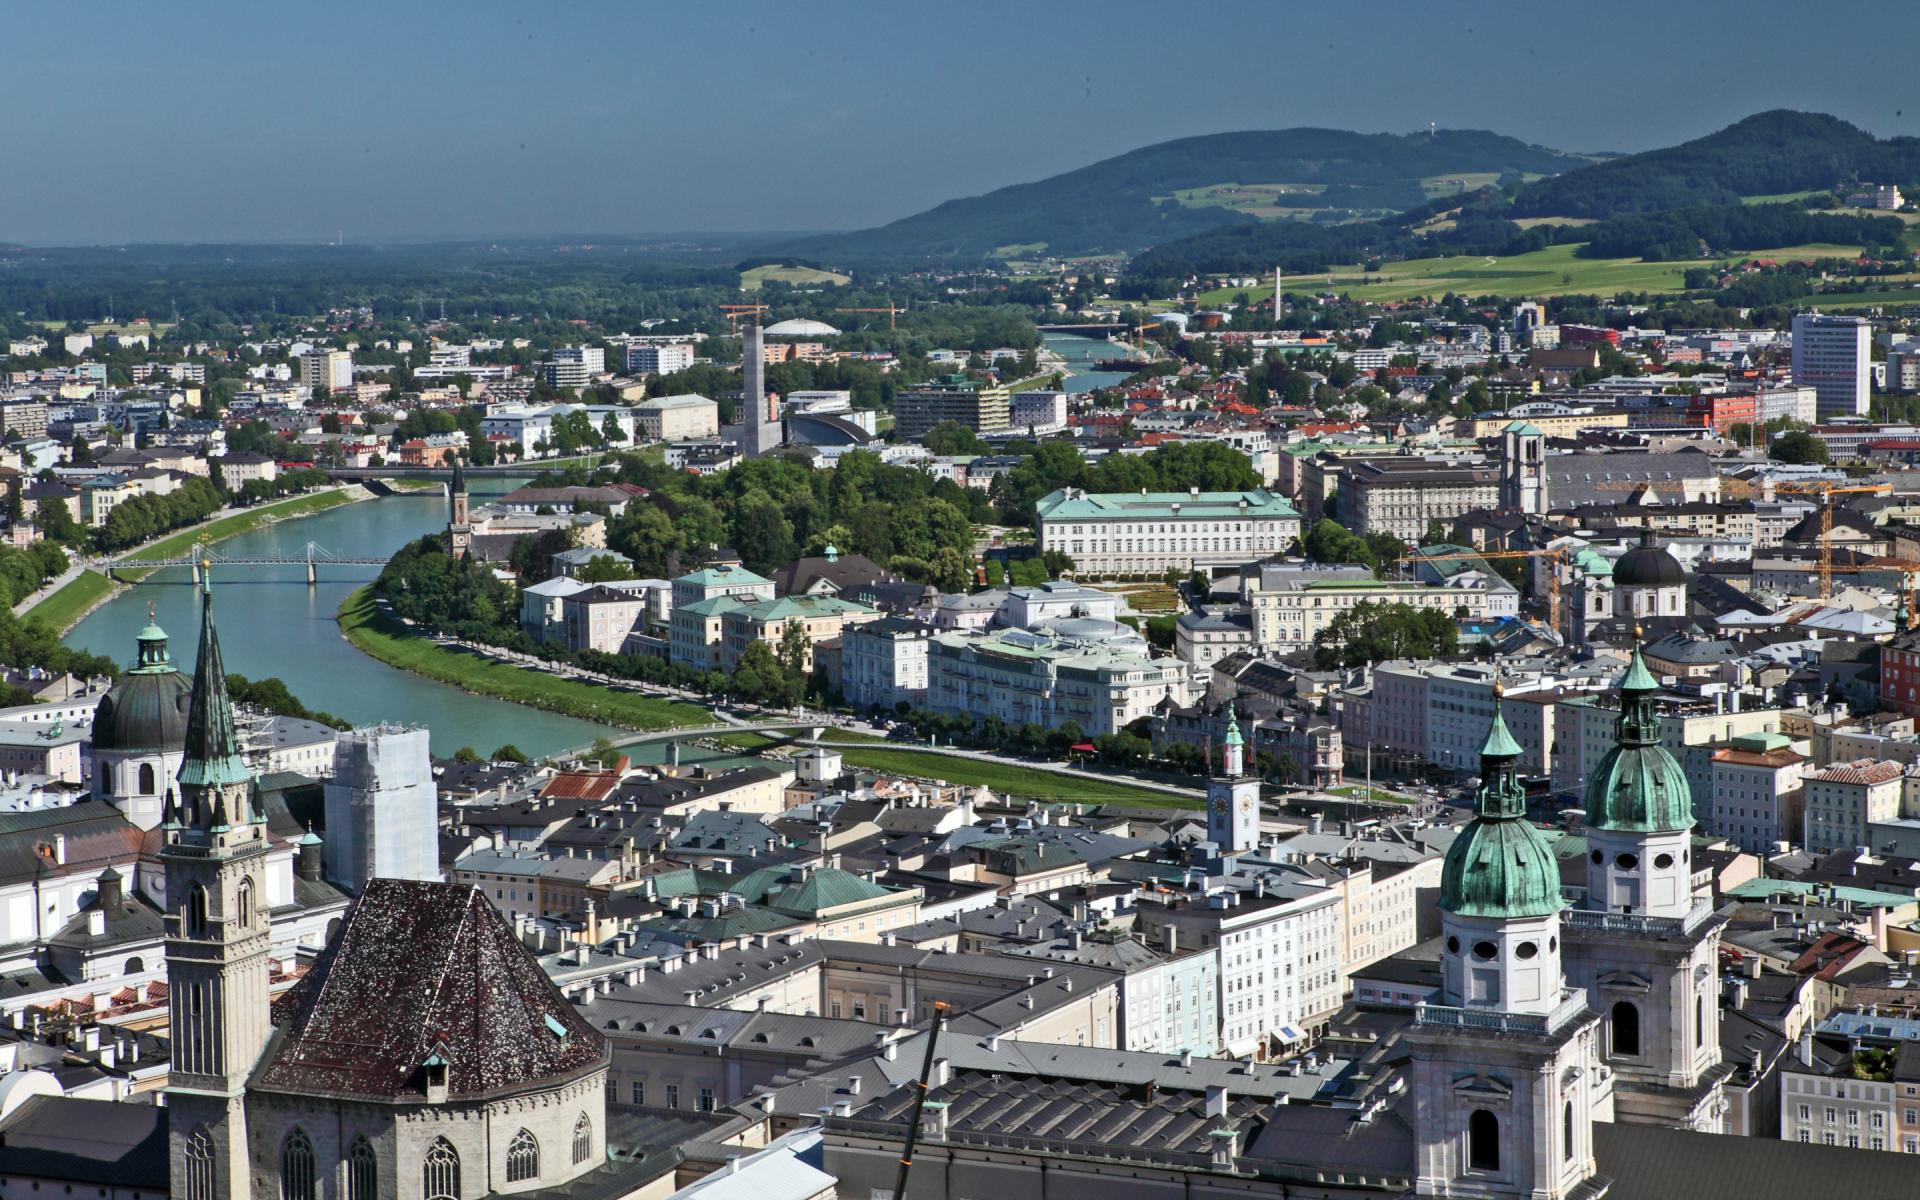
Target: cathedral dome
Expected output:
[146,711]
[1500,865]
[1639,786]
[1648,566]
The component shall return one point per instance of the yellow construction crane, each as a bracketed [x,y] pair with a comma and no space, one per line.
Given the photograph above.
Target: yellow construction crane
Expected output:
[1556,558]
[892,310]
[736,311]
[1825,489]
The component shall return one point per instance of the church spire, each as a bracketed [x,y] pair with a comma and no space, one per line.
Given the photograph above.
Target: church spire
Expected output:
[212,752]
[1501,795]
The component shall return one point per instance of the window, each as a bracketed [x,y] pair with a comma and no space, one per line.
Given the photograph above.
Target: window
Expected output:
[1483,1141]
[1566,1128]
[363,1171]
[1626,1030]
[523,1157]
[243,903]
[1699,1022]
[582,1140]
[196,911]
[199,1172]
[147,785]
[673,1095]
[639,1091]
[440,1173]
[296,1167]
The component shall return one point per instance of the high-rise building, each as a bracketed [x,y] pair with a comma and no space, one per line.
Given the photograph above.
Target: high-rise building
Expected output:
[330,369]
[956,398]
[759,418]
[575,366]
[381,813]
[649,358]
[1831,355]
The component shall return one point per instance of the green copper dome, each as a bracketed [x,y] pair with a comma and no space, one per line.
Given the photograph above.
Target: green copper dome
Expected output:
[1639,787]
[1500,865]
[146,710]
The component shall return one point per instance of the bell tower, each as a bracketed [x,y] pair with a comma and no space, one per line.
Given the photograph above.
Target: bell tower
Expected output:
[1644,947]
[1505,1083]
[1233,797]
[1523,469]
[459,526]
[218,933]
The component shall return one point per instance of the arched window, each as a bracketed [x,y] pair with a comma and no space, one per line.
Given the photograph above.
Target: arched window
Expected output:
[199,1173]
[1699,1021]
[1566,1129]
[440,1173]
[196,911]
[133,966]
[243,903]
[296,1167]
[363,1171]
[1483,1140]
[148,786]
[523,1158]
[1626,1030]
[582,1140]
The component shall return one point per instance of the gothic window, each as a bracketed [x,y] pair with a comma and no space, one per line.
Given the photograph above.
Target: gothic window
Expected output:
[523,1157]
[1626,1030]
[243,903]
[363,1171]
[296,1167]
[199,1172]
[440,1174]
[147,785]
[196,911]
[582,1140]
[1483,1141]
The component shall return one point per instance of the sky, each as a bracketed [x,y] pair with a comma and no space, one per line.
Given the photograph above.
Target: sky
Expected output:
[248,121]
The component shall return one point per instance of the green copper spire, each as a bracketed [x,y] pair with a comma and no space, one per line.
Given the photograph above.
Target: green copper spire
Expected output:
[1500,865]
[1233,726]
[1639,787]
[153,658]
[213,743]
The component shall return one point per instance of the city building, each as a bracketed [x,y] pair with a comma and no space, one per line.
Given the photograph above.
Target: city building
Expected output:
[977,406]
[1037,412]
[649,358]
[1123,533]
[1842,800]
[1023,677]
[681,418]
[1406,496]
[883,663]
[1831,355]
[328,369]
[1755,802]
[575,366]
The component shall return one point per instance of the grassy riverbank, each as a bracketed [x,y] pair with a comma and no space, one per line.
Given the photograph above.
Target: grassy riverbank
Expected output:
[63,609]
[378,635]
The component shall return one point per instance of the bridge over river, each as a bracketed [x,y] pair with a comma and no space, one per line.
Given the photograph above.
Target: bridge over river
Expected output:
[313,558]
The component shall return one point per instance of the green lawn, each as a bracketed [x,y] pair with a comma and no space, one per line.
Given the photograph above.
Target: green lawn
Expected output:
[1783,197]
[750,280]
[1012,780]
[1551,272]
[1838,300]
[238,523]
[375,634]
[1355,791]
[64,608]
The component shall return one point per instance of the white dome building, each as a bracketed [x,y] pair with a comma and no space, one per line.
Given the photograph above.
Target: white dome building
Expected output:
[800,327]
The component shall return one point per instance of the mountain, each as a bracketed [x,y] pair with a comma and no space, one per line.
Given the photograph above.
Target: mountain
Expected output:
[1173,189]
[1767,154]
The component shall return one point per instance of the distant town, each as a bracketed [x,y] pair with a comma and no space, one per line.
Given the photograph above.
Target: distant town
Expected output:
[886,731]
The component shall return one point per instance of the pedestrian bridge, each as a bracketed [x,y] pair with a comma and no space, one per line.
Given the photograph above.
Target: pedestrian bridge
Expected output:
[313,557]
[814,727]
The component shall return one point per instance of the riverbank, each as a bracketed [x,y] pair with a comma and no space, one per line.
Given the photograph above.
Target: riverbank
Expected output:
[378,635]
[69,605]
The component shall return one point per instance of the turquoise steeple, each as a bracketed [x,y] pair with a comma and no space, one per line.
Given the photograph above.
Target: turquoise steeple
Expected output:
[1639,787]
[212,751]
[1500,865]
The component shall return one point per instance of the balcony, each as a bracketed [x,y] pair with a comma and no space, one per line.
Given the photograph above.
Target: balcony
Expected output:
[1572,1006]
[1637,926]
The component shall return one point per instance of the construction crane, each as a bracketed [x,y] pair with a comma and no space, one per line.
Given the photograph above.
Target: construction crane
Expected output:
[736,311]
[892,310]
[1825,489]
[1556,558]
[919,1100]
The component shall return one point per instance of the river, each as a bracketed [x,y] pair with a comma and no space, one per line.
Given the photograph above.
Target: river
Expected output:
[272,624]
[1080,353]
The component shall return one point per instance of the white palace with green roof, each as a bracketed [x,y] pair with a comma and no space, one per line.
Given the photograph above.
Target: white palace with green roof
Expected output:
[1127,533]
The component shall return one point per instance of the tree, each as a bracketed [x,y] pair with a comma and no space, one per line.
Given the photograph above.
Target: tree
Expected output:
[951,437]
[1375,632]
[1798,447]
[509,753]
[466,754]
[1331,542]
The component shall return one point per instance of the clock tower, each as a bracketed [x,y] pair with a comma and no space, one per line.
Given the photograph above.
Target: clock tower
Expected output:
[1233,797]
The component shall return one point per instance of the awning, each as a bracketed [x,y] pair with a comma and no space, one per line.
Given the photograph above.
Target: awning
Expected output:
[1288,1033]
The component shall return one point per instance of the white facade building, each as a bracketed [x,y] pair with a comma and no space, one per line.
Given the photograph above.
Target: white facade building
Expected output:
[382,814]
[330,369]
[1831,355]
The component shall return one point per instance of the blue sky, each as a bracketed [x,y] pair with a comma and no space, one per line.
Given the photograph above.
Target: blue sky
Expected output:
[213,121]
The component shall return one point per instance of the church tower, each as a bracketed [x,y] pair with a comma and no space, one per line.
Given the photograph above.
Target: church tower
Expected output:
[1503,1069]
[1643,945]
[1523,469]
[459,527]
[217,937]
[1233,797]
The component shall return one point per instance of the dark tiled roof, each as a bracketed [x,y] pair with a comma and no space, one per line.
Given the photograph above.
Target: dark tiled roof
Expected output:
[417,965]
[95,1142]
[1652,1162]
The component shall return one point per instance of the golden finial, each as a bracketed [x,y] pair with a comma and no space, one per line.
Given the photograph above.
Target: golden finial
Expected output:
[1499,689]
[1639,631]
[150,617]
